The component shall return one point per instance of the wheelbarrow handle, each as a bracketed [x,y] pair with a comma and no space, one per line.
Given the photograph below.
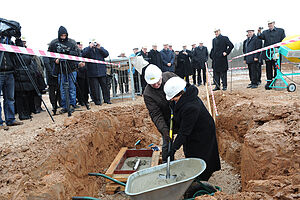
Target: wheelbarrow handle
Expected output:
[107,177]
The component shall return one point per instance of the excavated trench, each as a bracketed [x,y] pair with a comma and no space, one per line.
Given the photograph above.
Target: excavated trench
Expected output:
[260,141]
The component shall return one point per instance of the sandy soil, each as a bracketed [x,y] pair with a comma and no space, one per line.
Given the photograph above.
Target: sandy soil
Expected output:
[258,133]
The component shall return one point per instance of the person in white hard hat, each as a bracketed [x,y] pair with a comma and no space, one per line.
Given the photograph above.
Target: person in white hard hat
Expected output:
[271,36]
[250,44]
[157,104]
[196,127]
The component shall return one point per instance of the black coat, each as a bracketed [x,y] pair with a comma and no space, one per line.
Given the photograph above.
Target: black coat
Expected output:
[199,57]
[155,58]
[197,132]
[184,67]
[271,37]
[158,106]
[219,61]
[250,45]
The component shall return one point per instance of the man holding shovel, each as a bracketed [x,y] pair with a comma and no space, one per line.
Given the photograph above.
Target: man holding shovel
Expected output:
[156,103]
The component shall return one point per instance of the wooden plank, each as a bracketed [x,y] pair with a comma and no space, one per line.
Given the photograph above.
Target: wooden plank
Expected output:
[155,158]
[116,161]
[112,188]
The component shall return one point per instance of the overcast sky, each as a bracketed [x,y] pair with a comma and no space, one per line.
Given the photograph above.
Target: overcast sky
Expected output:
[122,25]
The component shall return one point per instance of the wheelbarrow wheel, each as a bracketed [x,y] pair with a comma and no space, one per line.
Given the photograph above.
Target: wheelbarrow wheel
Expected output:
[291,87]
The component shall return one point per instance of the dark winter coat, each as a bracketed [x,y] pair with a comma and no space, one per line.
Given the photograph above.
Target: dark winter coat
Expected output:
[158,106]
[82,71]
[51,80]
[22,73]
[184,67]
[197,132]
[251,44]
[66,46]
[95,69]
[167,56]
[155,58]
[219,61]
[9,60]
[271,37]
[199,57]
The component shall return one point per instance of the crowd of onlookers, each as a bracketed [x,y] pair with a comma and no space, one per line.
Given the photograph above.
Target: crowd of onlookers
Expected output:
[23,78]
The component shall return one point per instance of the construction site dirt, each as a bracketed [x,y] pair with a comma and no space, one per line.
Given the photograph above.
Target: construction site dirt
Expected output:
[258,134]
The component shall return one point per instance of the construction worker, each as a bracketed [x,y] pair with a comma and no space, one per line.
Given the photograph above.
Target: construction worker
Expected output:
[196,127]
[156,103]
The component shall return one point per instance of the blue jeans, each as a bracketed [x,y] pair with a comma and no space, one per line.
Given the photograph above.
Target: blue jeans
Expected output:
[72,88]
[7,86]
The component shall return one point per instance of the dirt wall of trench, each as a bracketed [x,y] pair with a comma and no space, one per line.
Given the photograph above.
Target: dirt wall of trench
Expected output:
[261,138]
[56,164]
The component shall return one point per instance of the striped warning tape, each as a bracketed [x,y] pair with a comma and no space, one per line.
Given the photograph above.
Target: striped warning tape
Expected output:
[35,52]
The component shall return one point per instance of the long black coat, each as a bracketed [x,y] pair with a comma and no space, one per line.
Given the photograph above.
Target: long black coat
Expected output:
[155,58]
[197,132]
[250,45]
[219,61]
[199,57]
[184,67]
[271,37]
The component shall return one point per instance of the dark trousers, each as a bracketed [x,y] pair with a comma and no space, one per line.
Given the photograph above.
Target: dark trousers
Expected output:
[253,73]
[199,78]
[95,84]
[54,95]
[83,92]
[221,76]
[270,70]
[259,72]
[23,103]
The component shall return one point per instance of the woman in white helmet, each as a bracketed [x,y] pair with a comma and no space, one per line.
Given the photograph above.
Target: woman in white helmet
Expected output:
[197,132]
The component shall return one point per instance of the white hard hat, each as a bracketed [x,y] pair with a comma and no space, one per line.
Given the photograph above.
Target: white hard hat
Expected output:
[152,74]
[250,29]
[173,86]
[216,29]
[271,21]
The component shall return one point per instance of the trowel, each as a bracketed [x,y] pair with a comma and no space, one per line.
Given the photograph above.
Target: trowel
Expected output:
[168,174]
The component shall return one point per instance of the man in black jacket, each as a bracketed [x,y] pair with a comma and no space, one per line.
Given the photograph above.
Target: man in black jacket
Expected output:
[65,69]
[155,57]
[219,52]
[196,127]
[200,57]
[271,36]
[250,44]
[183,68]
[157,104]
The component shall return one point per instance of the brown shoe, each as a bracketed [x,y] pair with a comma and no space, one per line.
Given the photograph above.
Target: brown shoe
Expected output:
[4,128]
[15,123]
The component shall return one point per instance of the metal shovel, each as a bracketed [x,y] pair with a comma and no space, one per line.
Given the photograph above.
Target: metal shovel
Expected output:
[168,174]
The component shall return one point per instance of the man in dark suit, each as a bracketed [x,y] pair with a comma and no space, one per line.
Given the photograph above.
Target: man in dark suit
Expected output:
[250,44]
[184,68]
[221,49]
[200,57]
[271,36]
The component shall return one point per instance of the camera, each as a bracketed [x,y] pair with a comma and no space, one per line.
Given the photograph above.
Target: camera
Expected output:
[10,28]
[261,28]
[61,48]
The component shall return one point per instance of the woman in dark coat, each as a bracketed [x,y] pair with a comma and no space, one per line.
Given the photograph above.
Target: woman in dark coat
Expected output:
[197,132]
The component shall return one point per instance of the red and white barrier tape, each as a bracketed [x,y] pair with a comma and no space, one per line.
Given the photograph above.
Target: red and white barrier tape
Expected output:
[212,93]
[35,52]
[234,68]
[268,47]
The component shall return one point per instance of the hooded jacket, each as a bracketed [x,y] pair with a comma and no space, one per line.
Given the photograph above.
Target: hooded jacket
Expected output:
[197,132]
[65,46]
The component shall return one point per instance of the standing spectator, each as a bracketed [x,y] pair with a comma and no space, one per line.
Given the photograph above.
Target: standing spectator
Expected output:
[168,59]
[7,85]
[155,57]
[219,52]
[144,53]
[82,80]
[271,36]
[65,69]
[200,57]
[184,68]
[250,44]
[97,72]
